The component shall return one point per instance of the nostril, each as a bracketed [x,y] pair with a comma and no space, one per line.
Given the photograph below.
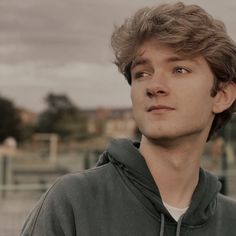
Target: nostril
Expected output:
[157,92]
[161,92]
[149,93]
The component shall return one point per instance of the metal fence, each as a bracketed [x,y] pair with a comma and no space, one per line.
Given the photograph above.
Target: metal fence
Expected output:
[23,181]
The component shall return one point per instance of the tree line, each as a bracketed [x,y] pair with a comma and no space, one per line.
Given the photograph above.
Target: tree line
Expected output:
[61,116]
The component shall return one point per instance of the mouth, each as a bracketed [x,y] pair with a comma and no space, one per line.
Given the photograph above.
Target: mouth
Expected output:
[159,108]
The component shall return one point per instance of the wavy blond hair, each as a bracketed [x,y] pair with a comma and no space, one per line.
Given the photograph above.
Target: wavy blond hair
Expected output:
[190,31]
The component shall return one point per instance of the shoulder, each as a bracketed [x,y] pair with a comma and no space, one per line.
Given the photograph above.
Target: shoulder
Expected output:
[226,201]
[75,188]
[227,206]
[78,190]
[70,195]
[96,175]
[82,181]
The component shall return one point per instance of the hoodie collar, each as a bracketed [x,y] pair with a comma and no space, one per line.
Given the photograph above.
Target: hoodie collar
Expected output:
[126,152]
[203,203]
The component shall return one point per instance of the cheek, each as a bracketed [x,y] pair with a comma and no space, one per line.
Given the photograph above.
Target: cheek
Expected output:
[197,93]
[135,96]
[198,105]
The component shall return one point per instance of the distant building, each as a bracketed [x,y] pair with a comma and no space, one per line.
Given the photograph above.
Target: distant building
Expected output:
[120,124]
[111,123]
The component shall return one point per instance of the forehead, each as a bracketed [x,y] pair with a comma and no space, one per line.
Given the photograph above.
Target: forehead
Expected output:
[151,51]
[160,49]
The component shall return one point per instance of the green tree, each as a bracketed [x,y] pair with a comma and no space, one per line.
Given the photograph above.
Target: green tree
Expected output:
[10,122]
[62,117]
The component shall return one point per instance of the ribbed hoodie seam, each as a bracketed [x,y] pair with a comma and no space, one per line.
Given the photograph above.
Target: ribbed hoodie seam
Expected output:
[137,198]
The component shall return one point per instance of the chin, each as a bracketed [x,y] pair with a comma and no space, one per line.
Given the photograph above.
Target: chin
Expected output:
[155,136]
[157,131]
[172,137]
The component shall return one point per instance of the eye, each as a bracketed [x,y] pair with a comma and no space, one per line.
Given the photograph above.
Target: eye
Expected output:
[140,74]
[181,70]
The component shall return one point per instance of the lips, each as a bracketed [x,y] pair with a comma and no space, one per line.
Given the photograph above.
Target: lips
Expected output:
[159,108]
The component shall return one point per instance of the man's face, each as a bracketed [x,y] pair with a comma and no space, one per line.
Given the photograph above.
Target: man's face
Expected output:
[170,94]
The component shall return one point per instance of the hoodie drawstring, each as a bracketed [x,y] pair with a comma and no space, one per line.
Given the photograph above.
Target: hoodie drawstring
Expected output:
[163,225]
[179,225]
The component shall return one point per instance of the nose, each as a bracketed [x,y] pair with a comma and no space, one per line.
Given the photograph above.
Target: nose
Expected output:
[157,86]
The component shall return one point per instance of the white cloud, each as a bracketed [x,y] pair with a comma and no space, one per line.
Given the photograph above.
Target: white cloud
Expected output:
[89,85]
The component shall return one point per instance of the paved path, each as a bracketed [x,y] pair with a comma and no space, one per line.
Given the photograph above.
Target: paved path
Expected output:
[14,210]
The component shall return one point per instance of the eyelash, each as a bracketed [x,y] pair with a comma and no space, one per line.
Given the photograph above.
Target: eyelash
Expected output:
[141,74]
[180,68]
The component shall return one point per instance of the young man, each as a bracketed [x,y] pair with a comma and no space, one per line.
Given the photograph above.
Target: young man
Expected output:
[181,66]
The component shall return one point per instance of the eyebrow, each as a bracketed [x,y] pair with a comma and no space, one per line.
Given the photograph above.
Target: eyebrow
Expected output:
[181,59]
[139,61]
[176,58]
[144,61]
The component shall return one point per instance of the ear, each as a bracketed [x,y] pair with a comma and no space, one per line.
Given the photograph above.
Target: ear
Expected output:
[224,98]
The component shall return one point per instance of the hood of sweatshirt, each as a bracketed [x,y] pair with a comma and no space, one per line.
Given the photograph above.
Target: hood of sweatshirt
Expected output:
[124,154]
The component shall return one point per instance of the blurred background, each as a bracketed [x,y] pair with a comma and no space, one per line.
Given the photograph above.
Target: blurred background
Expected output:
[62,99]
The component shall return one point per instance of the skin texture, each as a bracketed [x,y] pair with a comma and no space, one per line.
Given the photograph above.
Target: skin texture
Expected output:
[162,78]
[174,110]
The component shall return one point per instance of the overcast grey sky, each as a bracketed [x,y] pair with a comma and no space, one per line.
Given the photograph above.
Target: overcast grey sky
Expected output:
[64,46]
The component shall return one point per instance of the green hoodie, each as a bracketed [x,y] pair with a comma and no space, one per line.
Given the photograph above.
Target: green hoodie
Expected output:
[120,198]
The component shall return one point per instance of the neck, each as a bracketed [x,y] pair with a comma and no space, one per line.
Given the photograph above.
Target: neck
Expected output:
[174,167]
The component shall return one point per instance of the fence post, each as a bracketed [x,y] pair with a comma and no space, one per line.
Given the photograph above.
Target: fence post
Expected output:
[3,173]
[6,172]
